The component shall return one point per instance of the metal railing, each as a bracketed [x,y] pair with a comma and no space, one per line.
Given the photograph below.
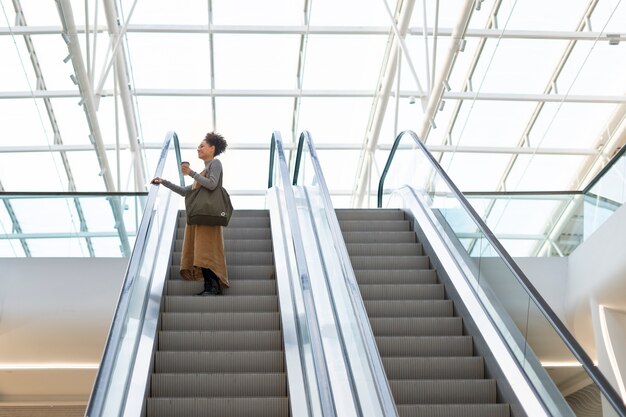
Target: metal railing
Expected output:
[133,296]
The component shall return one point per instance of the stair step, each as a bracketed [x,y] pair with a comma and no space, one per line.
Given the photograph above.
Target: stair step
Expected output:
[234,245]
[425,345]
[221,304]
[379,237]
[390,262]
[220,340]
[238,258]
[396,276]
[219,385]
[402,292]
[242,287]
[237,213]
[409,308]
[470,367]
[454,410]
[375,226]
[417,326]
[369,214]
[236,233]
[237,272]
[220,321]
[242,361]
[390,249]
[443,391]
[223,407]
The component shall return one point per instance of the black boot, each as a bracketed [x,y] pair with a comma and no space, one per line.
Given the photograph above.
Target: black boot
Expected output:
[208,282]
[216,288]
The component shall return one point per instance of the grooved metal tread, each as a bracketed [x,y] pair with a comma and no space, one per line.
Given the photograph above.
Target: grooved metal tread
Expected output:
[222,355]
[223,407]
[427,358]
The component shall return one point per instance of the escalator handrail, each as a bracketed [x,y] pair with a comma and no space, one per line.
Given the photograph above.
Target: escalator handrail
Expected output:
[594,373]
[321,368]
[105,370]
[373,356]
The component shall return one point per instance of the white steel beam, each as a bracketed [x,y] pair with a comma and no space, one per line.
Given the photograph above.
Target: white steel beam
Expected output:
[89,106]
[329,30]
[450,95]
[121,68]
[262,146]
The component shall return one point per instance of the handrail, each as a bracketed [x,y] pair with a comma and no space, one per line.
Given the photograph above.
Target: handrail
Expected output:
[105,370]
[373,357]
[603,384]
[321,369]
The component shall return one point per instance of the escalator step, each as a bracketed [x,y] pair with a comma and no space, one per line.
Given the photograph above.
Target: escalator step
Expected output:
[409,308]
[417,326]
[216,361]
[223,407]
[390,262]
[454,410]
[396,276]
[425,345]
[219,385]
[402,292]
[237,272]
[397,249]
[220,321]
[470,367]
[379,237]
[239,258]
[222,304]
[220,340]
[379,225]
[443,391]
[237,287]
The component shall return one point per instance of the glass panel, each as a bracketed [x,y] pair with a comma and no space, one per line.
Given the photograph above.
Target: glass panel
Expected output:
[242,61]
[253,12]
[538,15]
[538,173]
[190,12]
[185,67]
[336,120]
[51,50]
[83,226]
[253,119]
[26,119]
[343,13]
[343,62]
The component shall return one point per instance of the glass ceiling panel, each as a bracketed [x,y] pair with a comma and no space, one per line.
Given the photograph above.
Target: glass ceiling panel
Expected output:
[38,13]
[173,60]
[409,117]
[350,13]
[540,15]
[338,120]
[474,171]
[570,125]
[256,62]
[595,68]
[505,65]
[343,62]
[86,171]
[609,16]
[16,71]
[11,248]
[253,119]
[339,168]
[191,12]
[71,121]
[243,170]
[24,122]
[189,117]
[462,64]
[51,50]
[543,172]
[254,12]
[491,123]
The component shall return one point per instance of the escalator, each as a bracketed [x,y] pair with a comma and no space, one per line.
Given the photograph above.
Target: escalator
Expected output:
[222,355]
[428,358]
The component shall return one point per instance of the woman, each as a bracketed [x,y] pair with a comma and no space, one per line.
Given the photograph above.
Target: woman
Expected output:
[203,247]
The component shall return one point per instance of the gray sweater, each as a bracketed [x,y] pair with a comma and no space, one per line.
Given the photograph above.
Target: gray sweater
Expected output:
[210,181]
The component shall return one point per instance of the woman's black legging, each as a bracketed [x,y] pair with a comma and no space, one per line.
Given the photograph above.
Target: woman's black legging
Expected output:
[208,275]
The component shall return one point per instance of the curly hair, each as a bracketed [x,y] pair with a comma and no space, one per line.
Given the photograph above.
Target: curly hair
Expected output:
[217,140]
